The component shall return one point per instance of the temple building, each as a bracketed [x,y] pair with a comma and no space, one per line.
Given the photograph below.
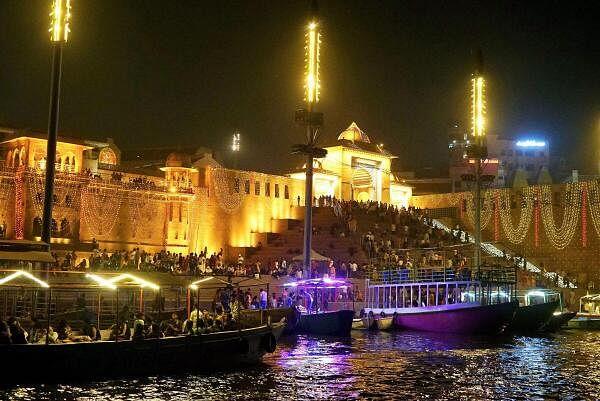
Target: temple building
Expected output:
[357,169]
[181,201]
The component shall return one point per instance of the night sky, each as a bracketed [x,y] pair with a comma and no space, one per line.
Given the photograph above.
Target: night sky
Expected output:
[184,72]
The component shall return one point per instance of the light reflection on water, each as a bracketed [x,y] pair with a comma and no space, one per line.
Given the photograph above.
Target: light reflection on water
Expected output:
[404,365]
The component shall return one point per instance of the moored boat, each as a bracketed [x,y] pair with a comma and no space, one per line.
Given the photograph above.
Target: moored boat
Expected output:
[461,318]
[535,311]
[439,300]
[311,299]
[374,322]
[588,317]
[106,359]
[335,323]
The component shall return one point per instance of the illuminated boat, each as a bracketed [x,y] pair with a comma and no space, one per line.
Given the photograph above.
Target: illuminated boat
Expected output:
[311,300]
[588,317]
[438,300]
[78,358]
[536,309]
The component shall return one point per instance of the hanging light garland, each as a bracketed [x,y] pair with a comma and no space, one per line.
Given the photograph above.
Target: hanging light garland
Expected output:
[496,216]
[100,208]
[486,209]
[594,205]
[560,238]
[516,235]
[584,201]
[227,185]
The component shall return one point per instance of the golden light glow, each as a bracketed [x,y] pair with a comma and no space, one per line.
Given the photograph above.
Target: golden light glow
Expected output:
[112,282]
[60,17]
[478,109]
[101,281]
[20,273]
[194,285]
[312,84]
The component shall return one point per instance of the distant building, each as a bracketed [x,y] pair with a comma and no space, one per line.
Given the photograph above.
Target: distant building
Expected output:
[505,157]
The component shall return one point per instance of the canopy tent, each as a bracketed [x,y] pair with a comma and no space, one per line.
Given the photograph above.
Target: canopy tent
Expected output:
[314,256]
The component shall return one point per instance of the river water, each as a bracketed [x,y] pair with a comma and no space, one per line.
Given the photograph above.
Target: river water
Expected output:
[390,366]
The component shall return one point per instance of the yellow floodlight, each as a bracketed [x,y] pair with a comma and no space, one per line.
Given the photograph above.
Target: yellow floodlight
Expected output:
[101,281]
[312,84]
[60,17]
[25,274]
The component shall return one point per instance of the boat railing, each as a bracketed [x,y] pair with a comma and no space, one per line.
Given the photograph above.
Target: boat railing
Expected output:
[437,274]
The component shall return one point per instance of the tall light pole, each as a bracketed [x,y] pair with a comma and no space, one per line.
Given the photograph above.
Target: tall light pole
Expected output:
[60,17]
[312,120]
[479,149]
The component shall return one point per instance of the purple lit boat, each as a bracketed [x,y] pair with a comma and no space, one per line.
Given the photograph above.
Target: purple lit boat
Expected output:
[310,298]
[435,299]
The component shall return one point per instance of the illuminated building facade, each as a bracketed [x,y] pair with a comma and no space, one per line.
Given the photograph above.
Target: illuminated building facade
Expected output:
[179,201]
[355,168]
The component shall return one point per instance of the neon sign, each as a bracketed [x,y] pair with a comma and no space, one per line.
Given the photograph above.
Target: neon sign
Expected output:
[531,143]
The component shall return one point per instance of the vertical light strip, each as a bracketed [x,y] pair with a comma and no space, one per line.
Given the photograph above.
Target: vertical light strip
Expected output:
[312,48]
[60,17]
[478,110]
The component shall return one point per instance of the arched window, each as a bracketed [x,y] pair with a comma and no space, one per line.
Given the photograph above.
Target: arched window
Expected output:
[107,156]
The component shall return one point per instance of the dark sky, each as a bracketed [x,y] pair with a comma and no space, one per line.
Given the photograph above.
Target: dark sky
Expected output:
[187,72]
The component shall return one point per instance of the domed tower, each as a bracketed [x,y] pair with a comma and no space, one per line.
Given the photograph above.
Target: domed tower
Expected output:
[179,172]
[179,178]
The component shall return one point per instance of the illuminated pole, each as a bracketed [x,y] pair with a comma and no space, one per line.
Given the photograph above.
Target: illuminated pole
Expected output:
[60,16]
[478,122]
[311,97]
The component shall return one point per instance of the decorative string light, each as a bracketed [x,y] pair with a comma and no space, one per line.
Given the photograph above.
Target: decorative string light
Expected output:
[584,201]
[496,216]
[536,219]
[19,204]
[228,188]
[594,205]
[486,209]
[560,238]
[100,208]
[516,235]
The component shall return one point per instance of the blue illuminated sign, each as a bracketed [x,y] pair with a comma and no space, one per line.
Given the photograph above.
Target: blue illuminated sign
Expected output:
[531,143]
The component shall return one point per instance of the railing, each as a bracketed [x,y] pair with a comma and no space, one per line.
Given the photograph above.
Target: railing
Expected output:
[435,274]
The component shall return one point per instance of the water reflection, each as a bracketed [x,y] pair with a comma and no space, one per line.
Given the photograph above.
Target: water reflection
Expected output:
[403,365]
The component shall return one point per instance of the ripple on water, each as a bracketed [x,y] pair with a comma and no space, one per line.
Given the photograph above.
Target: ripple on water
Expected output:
[387,366]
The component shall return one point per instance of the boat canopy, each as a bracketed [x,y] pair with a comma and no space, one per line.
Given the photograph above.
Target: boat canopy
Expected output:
[324,282]
[20,273]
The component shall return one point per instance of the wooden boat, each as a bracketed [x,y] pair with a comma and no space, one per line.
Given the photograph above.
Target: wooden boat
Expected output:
[257,317]
[588,317]
[106,359]
[536,308]
[337,323]
[436,299]
[374,322]
[559,320]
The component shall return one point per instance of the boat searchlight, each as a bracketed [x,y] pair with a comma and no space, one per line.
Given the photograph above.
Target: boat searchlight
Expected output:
[25,274]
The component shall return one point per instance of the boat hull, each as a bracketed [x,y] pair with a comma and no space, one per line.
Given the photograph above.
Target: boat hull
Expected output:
[338,323]
[533,318]
[458,318]
[108,359]
[257,317]
[559,321]
[378,323]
